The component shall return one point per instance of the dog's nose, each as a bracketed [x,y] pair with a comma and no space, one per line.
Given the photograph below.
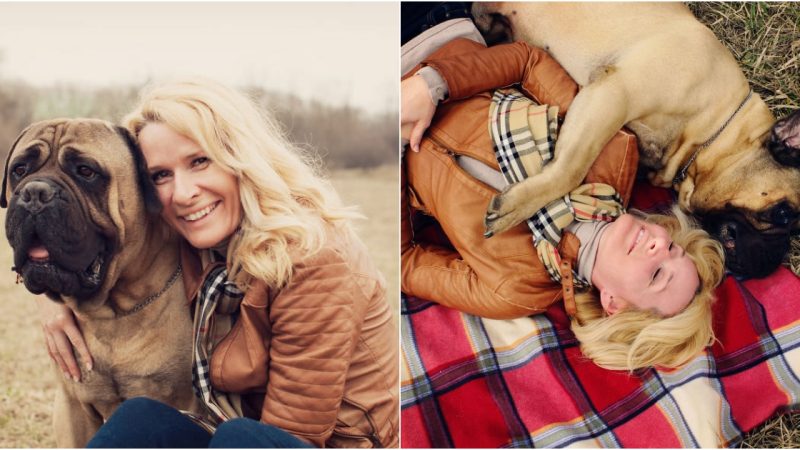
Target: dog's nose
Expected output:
[36,195]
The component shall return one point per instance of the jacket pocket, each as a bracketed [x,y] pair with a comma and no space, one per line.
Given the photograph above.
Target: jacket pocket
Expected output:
[352,438]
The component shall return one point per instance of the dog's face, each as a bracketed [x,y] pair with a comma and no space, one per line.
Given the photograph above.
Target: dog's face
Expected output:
[74,193]
[750,200]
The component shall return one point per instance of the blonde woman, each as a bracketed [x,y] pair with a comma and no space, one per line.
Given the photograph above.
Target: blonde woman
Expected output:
[295,345]
[650,278]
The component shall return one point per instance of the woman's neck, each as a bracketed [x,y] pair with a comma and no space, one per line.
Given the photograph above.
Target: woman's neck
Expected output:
[222,247]
[589,234]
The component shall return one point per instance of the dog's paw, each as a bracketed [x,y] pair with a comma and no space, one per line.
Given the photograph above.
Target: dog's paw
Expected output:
[503,212]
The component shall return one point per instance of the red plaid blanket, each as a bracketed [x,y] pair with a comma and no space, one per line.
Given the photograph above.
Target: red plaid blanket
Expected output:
[472,382]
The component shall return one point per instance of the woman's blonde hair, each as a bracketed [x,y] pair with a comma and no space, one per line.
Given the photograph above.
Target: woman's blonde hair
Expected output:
[633,339]
[285,203]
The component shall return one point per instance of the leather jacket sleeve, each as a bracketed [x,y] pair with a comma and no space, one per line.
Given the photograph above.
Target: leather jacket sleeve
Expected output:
[435,272]
[470,68]
[315,327]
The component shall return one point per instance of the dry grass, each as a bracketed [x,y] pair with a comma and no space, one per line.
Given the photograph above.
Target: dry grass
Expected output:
[765,39]
[27,380]
[375,192]
[28,383]
[782,432]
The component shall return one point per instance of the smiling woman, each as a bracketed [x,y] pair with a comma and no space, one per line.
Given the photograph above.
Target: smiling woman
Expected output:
[294,343]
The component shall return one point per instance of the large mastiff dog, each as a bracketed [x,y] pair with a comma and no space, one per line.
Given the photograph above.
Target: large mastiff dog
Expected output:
[82,223]
[655,69]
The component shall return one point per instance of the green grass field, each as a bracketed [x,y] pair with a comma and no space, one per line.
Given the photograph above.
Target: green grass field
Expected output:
[27,378]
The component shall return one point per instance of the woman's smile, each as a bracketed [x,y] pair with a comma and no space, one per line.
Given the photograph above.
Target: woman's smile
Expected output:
[636,239]
[199,215]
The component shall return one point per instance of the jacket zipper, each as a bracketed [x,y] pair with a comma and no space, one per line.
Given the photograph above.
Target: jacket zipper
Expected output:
[453,156]
[372,435]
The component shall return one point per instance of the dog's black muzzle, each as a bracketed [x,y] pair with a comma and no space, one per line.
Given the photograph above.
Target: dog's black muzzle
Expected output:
[57,248]
[749,252]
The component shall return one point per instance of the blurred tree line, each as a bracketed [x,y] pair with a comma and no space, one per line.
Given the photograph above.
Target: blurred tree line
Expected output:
[342,136]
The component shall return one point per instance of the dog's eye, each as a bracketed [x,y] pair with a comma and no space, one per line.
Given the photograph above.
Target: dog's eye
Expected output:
[86,172]
[20,170]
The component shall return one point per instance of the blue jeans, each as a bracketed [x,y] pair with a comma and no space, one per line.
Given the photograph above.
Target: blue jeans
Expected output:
[144,423]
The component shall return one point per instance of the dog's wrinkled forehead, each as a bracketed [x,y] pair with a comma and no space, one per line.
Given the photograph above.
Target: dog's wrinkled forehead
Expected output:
[78,134]
[53,147]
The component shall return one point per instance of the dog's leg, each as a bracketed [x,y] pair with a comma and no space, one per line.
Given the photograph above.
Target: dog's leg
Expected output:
[597,112]
[74,423]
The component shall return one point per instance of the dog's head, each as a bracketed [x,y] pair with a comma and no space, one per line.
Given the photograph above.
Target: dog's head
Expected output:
[749,198]
[76,193]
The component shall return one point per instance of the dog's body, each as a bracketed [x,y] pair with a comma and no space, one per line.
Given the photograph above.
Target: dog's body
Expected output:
[655,69]
[83,228]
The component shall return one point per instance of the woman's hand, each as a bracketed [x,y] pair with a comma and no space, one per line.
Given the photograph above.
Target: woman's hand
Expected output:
[416,109]
[63,336]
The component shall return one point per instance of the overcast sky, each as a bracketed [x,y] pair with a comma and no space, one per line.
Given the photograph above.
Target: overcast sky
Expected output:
[336,52]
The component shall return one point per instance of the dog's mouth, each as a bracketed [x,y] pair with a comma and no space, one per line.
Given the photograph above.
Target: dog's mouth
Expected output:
[727,237]
[749,252]
[43,274]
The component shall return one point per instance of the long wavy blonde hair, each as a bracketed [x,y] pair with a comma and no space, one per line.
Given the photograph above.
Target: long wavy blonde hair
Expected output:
[286,203]
[633,339]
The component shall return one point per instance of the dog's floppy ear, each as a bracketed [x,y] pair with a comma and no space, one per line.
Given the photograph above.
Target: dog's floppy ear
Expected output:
[3,201]
[151,202]
[784,141]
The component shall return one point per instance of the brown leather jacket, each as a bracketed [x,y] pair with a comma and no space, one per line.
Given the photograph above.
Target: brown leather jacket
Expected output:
[501,277]
[317,358]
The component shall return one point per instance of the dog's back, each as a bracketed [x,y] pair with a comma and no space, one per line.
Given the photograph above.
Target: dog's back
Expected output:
[583,36]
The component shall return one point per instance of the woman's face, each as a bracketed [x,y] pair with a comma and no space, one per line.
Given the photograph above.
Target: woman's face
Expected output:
[201,201]
[639,266]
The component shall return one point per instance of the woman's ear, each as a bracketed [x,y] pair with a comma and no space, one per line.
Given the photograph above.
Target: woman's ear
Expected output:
[610,303]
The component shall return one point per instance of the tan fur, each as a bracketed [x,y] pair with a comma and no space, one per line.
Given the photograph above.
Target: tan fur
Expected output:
[654,68]
[148,352]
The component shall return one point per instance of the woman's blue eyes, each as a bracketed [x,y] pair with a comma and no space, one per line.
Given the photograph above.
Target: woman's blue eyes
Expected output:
[199,162]
[159,176]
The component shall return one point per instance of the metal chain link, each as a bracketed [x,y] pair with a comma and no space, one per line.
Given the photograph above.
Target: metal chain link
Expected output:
[139,306]
[681,175]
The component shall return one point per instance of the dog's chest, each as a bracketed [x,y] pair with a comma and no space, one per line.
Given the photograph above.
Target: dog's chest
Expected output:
[109,384]
[155,364]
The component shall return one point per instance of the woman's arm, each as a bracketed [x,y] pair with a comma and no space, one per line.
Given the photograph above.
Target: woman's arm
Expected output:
[468,68]
[467,73]
[62,337]
[508,289]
